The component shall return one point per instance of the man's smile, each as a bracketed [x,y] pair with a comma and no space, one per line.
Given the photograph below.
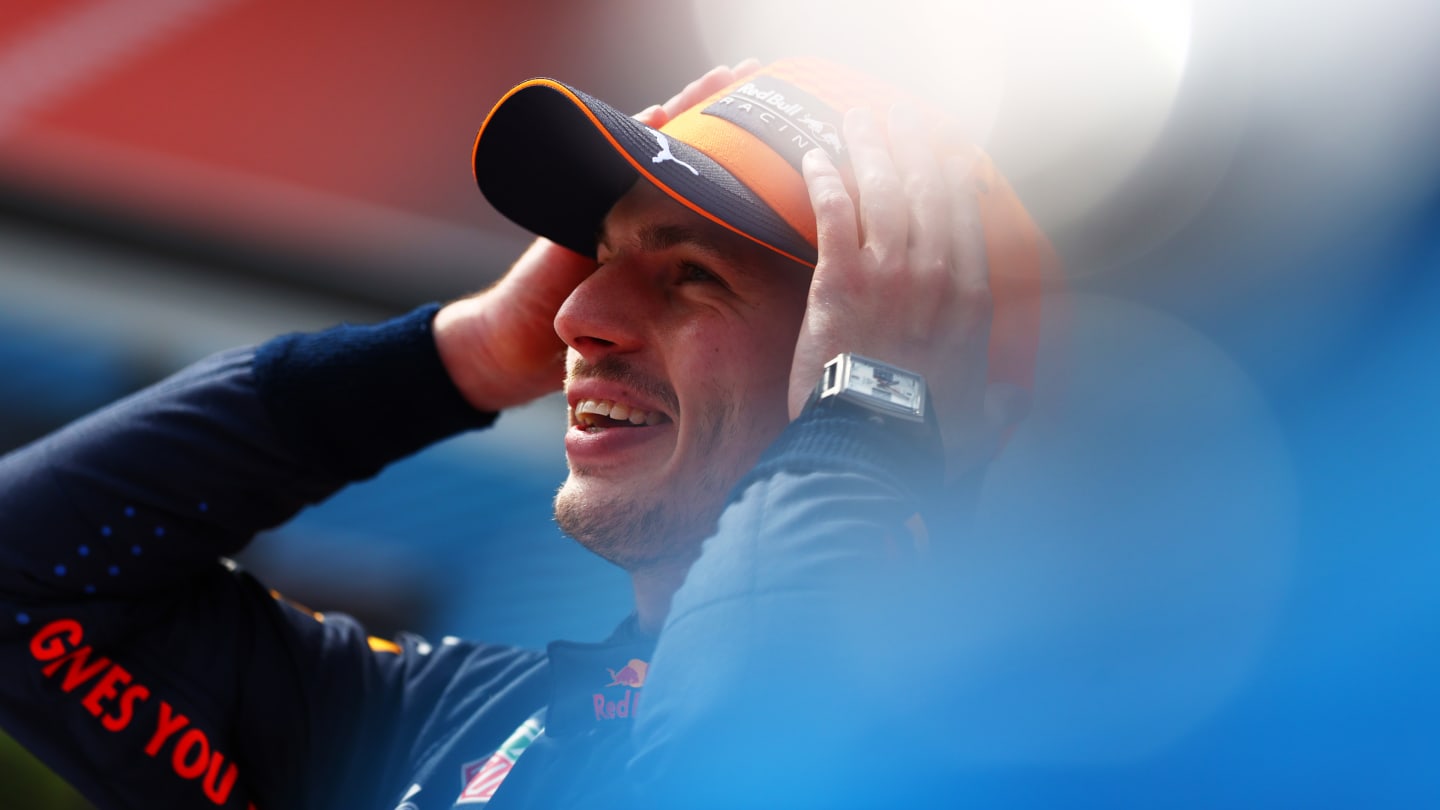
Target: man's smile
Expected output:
[599,407]
[605,413]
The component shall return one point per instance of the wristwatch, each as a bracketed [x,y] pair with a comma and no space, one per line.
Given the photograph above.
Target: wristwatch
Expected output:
[880,388]
[897,402]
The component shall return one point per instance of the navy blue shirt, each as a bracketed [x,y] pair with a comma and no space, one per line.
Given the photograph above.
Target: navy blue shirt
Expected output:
[149,671]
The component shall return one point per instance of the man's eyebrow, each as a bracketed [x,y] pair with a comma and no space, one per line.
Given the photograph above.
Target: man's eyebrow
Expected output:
[661,236]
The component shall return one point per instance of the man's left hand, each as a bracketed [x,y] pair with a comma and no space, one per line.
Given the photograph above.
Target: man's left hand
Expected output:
[902,275]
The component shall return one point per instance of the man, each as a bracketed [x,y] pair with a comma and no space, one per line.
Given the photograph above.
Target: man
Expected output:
[704,457]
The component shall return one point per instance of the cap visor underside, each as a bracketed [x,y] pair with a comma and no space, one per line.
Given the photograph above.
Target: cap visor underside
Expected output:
[555,160]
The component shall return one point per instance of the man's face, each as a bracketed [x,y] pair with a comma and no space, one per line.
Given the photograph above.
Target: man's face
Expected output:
[678,370]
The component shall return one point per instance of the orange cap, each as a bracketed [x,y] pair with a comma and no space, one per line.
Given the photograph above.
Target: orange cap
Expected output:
[555,160]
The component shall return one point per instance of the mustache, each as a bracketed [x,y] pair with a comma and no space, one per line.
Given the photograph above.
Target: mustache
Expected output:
[615,369]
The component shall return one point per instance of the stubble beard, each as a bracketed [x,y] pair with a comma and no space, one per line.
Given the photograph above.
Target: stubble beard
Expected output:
[651,529]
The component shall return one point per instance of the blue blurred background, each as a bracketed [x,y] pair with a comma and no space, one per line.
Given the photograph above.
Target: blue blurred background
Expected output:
[1202,575]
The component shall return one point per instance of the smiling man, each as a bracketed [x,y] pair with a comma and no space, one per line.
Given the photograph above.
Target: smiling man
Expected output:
[678,325]
[769,305]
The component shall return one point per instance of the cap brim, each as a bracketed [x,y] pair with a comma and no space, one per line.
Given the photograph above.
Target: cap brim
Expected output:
[555,160]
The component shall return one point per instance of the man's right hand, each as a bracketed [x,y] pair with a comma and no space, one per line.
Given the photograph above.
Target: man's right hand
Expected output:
[500,345]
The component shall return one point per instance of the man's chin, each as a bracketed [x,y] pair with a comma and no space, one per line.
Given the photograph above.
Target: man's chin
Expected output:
[629,530]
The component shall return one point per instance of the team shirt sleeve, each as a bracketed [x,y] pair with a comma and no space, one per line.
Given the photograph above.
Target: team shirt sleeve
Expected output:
[143,667]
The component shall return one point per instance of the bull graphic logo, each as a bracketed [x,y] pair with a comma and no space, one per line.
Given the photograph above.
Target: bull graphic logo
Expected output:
[631,675]
[825,131]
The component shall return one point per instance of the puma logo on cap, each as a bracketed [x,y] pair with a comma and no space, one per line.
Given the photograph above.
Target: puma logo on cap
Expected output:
[665,154]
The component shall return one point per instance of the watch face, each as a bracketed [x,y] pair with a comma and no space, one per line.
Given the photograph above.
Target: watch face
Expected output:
[885,383]
[875,386]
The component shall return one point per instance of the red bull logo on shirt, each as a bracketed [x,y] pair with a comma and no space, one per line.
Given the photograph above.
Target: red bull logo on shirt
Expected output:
[631,676]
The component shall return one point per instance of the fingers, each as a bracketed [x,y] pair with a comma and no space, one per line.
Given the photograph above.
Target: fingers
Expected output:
[925,189]
[832,286]
[657,115]
[835,225]
[966,229]
[713,80]
[706,86]
[652,116]
[746,68]
[880,200]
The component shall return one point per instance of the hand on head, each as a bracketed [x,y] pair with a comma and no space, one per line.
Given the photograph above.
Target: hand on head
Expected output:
[902,275]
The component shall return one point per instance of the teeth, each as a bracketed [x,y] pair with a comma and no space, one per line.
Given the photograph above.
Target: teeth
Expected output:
[586,409]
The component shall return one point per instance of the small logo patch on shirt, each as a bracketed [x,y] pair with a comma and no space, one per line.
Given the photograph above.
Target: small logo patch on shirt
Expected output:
[610,706]
[483,777]
[631,675]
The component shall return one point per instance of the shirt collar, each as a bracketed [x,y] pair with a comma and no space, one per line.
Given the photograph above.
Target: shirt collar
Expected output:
[598,686]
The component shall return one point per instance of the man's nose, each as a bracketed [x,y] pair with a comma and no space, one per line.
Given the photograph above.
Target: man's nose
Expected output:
[604,313]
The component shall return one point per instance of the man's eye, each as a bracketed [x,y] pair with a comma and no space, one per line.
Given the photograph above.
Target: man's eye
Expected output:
[692,272]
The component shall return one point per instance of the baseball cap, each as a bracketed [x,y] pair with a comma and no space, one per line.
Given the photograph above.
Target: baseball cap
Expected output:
[555,159]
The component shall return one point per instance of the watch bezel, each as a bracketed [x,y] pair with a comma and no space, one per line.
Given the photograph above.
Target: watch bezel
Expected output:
[835,383]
